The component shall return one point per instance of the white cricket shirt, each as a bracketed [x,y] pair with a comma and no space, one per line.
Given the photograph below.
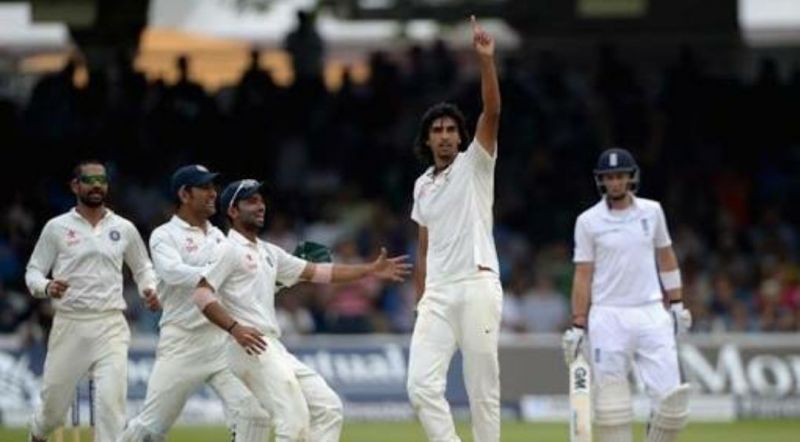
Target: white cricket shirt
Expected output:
[244,274]
[455,206]
[181,252]
[623,250]
[90,260]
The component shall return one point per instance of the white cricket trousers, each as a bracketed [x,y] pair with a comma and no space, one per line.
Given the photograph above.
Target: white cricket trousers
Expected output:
[462,315]
[643,335]
[302,406]
[185,361]
[80,343]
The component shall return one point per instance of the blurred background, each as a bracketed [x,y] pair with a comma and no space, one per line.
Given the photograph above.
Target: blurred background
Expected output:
[321,98]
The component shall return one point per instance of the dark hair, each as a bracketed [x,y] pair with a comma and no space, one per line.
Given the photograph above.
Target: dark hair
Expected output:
[76,172]
[422,150]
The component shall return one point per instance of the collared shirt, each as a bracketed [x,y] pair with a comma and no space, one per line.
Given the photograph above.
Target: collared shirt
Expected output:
[181,252]
[244,274]
[90,259]
[455,206]
[622,247]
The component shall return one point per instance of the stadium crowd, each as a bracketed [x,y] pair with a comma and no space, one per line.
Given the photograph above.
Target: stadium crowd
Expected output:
[720,151]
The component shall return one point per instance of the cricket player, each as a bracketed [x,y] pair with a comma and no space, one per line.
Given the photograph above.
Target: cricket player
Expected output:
[623,260]
[237,294]
[190,348]
[457,269]
[77,262]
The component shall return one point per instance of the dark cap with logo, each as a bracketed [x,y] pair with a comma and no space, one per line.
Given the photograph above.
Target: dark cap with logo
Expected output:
[189,176]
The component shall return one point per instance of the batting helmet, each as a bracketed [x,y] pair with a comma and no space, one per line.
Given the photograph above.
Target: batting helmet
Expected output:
[616,160]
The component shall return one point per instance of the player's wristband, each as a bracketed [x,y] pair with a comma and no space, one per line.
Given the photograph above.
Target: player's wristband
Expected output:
[323,273]
[671,280]
[231,327]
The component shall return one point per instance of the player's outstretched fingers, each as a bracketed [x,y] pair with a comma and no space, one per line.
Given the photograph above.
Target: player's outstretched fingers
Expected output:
[256,339]
[400,261]
[250,338]
[403,269]
[400,268]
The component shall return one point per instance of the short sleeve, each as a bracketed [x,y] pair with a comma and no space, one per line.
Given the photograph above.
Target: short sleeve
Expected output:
[221,267]
[289,267]
[661,237]
[584,247]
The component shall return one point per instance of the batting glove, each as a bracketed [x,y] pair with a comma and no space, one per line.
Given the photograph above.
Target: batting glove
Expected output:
[681,318]
[572,342]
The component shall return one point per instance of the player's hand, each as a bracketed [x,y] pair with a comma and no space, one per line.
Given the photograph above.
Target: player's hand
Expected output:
[681,318]
[250,338]
[392,269]
[151,300]
[572,343]
[482,40]
[56,288]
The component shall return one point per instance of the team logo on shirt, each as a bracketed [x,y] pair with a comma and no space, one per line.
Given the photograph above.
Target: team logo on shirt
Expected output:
[645,226]
[249,262]
[423,190]
[191,246]
[114,235]
[72,237]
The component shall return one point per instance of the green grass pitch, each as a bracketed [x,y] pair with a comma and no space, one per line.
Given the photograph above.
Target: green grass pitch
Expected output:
[747,431]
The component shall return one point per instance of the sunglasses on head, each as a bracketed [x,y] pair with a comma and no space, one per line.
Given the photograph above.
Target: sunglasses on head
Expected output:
[245,184]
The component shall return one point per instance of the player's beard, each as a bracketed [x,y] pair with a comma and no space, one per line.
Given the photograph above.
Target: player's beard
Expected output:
[446,155]
[93,198]
[252,222]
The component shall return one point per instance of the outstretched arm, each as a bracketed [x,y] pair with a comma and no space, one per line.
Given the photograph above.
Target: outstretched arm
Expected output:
[392,269]
[489,120]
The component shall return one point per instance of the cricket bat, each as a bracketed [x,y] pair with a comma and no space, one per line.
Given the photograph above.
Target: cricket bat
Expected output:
[580,401]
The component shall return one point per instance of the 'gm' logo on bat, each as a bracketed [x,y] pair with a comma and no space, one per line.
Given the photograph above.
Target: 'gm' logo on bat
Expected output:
[580,379]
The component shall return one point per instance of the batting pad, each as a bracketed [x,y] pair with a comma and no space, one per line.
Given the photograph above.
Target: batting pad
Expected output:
[251,430]
[613,404]
[671,416]
[613,412]
[615,433]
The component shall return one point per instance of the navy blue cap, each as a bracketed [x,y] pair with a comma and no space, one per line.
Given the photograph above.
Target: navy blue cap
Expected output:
[238,190]
[193,175]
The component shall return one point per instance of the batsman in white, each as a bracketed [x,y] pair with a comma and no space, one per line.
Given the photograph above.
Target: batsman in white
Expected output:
[457,274]
[623,259]
[85,249]
[190,348]
[302,406]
